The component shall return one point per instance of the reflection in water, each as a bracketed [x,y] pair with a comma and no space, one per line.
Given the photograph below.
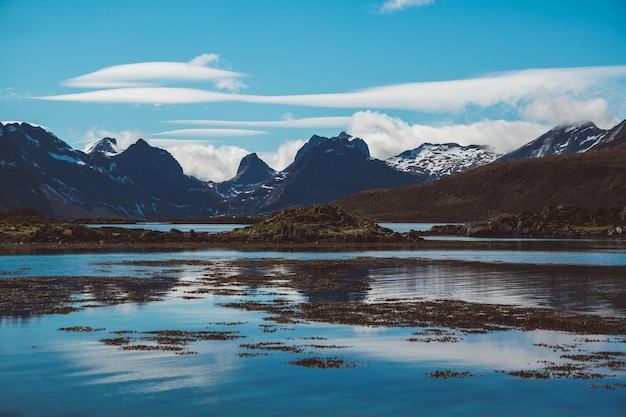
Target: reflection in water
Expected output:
[600,290]
[152,372]
[74,373]
[580,288]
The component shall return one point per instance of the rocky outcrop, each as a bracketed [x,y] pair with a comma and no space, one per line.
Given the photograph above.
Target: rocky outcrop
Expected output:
[552,221]
[318,223]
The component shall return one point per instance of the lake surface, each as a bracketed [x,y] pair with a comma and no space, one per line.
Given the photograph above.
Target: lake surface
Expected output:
[386,371]
[183,227]
[219,227]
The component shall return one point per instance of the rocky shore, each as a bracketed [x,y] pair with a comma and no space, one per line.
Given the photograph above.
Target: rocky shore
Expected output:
[319,225]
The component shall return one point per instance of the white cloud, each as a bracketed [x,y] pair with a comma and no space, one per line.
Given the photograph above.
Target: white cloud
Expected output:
[220,163]
[208,162]
[388,136]
[287,122]
[210,132]
[232,85]
[204,59]
[564,110]
[283,156]
[391,6]
[510,90]
[146,74]
[145,95]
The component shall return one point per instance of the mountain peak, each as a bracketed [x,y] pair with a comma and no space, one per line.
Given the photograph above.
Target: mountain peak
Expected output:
[343,140]
[142,144]
[569,127]
[252,170]
[432,161]
[560,140]
[344,136]
[105,146]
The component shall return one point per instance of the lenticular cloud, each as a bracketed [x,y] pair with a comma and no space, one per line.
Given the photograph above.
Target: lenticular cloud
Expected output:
[146,74]
[120,84]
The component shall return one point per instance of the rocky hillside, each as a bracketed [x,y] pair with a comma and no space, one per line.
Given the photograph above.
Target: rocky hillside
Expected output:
[551,221]
[561,140]
[591,179]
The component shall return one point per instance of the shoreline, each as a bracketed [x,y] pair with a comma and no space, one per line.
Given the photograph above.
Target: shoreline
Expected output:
[499,243]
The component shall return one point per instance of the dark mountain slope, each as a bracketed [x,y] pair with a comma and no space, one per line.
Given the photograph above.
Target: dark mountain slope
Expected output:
[251,172]
[327,169]
[155,171]
[615,136]
[561,140]
[40,171]
[591,179]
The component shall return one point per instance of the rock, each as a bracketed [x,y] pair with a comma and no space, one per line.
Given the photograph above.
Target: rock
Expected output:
[318,223]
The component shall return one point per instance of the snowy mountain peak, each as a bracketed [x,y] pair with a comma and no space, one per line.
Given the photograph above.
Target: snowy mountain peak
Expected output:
[105,146]
[431,161]
[562,139]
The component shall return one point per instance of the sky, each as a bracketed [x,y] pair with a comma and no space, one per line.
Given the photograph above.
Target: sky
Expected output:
[212,81]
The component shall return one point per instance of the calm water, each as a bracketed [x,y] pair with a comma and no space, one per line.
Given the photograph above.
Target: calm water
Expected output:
[46,372]
[216,227]
[183,227]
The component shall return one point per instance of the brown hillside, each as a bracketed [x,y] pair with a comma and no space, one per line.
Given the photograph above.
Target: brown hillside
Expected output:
[592,179]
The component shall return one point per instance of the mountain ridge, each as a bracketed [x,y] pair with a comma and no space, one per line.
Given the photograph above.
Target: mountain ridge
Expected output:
[560,140]
[39,170]
[591,179]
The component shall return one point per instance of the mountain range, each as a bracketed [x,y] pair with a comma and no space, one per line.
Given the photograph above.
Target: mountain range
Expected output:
[39,170]
[592,179]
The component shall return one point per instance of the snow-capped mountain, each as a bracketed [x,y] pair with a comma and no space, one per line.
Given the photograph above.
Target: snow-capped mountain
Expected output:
[430,162]
[39,170]
[104,147]
[615,136]
[563,139]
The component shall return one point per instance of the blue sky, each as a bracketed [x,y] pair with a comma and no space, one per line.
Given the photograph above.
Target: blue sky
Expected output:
[211,81]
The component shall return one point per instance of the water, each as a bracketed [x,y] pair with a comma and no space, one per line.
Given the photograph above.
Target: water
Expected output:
[45,371]
[183,227]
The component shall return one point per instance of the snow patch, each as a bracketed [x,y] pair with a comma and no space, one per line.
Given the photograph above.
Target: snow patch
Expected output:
[434,161]
[66,158]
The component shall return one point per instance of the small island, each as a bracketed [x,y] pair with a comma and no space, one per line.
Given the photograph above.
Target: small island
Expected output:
[318,227]
[321,226]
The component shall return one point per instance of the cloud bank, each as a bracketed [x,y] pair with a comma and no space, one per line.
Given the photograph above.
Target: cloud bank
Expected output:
[389,136]
[385,135]
[208,162]
[555,94]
